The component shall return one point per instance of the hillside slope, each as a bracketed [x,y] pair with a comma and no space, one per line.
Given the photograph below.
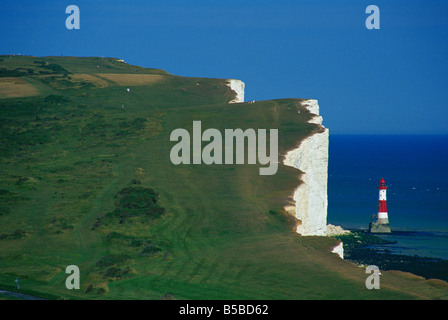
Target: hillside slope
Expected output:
[86,179]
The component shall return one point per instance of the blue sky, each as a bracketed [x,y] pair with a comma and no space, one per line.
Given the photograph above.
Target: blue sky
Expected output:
[388,81]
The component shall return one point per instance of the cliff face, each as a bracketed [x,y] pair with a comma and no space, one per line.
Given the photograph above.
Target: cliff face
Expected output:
[339,250]
[311,157]
[238,87]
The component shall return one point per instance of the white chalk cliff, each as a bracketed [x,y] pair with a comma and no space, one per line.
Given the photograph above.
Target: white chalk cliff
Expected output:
[311,157]
[238,87]
[339,250]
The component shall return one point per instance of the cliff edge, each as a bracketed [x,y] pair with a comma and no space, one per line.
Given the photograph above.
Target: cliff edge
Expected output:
[311,157]
[238,87]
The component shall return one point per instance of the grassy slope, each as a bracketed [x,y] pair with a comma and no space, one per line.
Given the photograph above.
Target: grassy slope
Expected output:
[223,236]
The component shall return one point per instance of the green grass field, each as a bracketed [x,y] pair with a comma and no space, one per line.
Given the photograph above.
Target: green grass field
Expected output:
[68,151]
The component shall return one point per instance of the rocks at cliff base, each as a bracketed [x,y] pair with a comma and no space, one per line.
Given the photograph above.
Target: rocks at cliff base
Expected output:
[335,230]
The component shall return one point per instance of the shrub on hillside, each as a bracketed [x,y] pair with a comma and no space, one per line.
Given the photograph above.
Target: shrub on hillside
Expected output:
[111,260]
[137,201]
[53,98]
[150,251]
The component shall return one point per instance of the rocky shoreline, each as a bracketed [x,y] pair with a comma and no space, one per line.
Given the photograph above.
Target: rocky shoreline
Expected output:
[358,249]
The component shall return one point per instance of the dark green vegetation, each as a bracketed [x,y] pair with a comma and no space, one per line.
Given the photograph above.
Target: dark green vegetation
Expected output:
[38,67]
[358,248]
[86,180]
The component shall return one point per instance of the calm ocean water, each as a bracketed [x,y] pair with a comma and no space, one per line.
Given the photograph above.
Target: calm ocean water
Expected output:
[416,171]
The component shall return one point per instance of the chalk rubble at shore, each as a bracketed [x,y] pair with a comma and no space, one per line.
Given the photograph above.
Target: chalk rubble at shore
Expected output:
[339,250]
[336,230]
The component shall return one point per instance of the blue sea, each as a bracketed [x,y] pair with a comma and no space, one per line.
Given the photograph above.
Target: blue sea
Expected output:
[416,172]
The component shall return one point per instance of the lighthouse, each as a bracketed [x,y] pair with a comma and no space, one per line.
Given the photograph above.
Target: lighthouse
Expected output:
[381,225]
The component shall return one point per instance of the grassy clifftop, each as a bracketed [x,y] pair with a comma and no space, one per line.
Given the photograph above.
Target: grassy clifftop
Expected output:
[86,180]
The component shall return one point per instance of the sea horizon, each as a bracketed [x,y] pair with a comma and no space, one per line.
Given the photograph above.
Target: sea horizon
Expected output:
[414,167]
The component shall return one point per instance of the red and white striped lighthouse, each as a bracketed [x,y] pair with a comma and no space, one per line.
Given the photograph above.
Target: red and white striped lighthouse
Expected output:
[381,225]
[382,203]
